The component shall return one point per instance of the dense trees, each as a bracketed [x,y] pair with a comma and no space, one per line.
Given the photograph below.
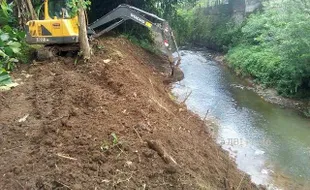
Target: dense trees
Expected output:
[275,45]
[209,23]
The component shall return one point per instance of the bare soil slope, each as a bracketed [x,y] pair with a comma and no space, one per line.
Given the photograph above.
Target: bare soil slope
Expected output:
[108,124]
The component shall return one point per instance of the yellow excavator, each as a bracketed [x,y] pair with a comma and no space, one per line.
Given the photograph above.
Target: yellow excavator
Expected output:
[58,29]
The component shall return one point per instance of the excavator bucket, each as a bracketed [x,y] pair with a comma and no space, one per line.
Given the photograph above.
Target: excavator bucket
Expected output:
[165,42]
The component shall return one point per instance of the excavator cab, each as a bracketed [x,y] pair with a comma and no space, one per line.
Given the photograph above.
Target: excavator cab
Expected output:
[57,27]
[58,9]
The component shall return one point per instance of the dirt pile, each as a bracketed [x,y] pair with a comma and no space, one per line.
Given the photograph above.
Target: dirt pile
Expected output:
[108,124]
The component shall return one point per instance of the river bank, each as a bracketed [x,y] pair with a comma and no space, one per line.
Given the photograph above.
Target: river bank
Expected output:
[268,94]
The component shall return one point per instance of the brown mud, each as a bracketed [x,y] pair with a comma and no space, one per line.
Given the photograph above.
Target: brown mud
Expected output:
[107,124]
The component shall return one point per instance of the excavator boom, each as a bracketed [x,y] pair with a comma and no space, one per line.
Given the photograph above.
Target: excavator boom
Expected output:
[161,29]
[126,12]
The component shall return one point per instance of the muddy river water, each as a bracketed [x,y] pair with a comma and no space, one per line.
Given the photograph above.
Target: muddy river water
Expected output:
[268,142]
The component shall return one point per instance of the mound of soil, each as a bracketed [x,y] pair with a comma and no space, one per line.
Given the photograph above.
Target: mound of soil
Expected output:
[107,124]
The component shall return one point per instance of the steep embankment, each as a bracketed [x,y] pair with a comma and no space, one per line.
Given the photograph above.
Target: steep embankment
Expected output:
[104,125]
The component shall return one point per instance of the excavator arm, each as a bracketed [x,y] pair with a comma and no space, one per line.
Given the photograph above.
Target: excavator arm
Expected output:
[161,29]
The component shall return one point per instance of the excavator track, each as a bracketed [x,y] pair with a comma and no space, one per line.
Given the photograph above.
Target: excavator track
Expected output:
[50,51]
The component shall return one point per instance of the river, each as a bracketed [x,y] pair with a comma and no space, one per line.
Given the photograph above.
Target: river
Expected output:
[268,142]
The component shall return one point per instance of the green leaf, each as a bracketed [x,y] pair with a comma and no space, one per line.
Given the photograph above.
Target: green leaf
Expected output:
[9,51]
[21,34]
[13,60]
[8,29]
[4,37]
[2,54]
[5,8]
[16,50]
[5,78]
[15,46]
[115,139]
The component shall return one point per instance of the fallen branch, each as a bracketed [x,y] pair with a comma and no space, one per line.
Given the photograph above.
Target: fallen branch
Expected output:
[178,63]
[59,118]
[161,106]
[152,87]
[186,98]
[23,119]
[121,181]
[62,184]
[66,157]
[241,182]
[154,145]
[138,134]
[20,184]
[206,115]
[226,183]
[8,150]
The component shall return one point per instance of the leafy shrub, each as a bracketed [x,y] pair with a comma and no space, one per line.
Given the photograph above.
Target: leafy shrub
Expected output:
[12,45]
[253,61]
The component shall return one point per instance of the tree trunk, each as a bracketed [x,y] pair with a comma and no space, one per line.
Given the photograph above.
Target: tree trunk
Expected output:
[84,43]
[24,11]
[31,10]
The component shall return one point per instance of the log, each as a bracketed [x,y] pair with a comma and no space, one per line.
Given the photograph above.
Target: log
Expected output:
[155,145]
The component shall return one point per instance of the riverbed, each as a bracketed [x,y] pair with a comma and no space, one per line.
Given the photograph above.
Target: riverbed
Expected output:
[268,142]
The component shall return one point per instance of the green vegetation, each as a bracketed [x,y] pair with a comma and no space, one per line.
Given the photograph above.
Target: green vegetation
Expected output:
[106,145]
[12,46]
[274,48]
[200,25]
[74,5]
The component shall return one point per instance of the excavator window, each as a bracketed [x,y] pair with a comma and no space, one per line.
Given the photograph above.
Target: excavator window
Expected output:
[58,9]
